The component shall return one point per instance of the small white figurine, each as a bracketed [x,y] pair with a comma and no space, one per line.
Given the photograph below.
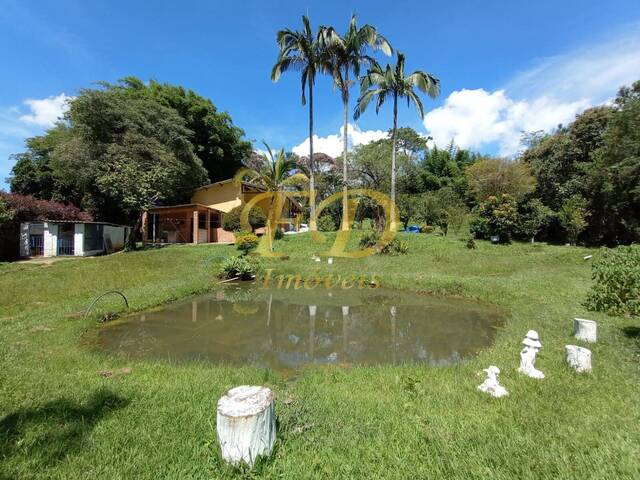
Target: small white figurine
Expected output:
[491,384]
[528,354]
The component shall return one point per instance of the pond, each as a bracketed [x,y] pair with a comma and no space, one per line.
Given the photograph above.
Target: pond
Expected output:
[286,329]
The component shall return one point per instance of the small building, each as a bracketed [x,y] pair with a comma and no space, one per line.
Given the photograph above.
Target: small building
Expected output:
[54,238]
[200,221]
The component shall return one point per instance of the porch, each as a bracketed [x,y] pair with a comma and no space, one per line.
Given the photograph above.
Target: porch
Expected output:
[189,223]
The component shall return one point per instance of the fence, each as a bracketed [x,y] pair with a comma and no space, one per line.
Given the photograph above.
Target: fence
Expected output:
[65,246]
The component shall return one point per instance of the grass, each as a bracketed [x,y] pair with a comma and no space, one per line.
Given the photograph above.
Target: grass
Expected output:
[59,418]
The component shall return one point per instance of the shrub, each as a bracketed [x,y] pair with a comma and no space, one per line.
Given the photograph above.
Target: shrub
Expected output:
[395,247]
[246,242]
[424,228]
[369,238]
[479,228]
[244,268]
[279,234]
[231,219]
[471,244]
[616,276]
[26,207]
[326,223]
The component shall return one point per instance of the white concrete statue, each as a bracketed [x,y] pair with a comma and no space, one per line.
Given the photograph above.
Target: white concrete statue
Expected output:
[491,384]
[528,354]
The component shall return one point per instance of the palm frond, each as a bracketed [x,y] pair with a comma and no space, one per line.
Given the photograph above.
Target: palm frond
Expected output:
[363,102]
[412,97]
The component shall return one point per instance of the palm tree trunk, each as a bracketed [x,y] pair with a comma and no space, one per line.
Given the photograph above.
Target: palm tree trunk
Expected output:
[345,194]
[393,162]
[312,181]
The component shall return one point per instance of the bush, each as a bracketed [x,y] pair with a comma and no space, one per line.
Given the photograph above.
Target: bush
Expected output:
[26,208]
[424,228]
[369,239]
[326,223]
[279,234]
[616,276]
[471,244]
[479,228]
[395,247]
[246,242]
[231,219]
[244,268]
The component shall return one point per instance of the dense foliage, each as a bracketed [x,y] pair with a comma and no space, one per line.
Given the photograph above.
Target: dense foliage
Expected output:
[20,208]
[616,276]
[231,219]
[596,158]
[123,147]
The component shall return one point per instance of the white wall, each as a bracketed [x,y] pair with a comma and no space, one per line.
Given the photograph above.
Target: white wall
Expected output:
[50,239]
[117,236]
[78,237]
[24,240]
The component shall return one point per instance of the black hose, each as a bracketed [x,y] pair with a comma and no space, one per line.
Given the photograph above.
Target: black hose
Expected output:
[126,302]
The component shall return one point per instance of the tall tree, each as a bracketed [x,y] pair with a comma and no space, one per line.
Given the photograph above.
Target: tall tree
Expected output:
[302,51]
[392,82]
[348,55]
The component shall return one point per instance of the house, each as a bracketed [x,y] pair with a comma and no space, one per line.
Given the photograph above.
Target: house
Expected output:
[200,221]
[53,238]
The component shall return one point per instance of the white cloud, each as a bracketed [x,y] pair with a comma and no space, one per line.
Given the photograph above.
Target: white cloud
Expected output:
[47,111]
[332,144]
[552,92]
[477,118]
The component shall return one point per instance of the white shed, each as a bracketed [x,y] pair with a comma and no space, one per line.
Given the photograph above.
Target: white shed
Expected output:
[53,238]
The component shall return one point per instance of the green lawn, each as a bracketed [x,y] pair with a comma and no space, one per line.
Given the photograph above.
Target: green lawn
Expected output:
[60,419]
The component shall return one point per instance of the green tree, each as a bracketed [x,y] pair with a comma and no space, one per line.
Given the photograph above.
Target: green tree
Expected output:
[302,51]
[613,177]
[392,82]
[534,215]
[348,55]
[84,160]
[573,217]
[496,177]
[500,214]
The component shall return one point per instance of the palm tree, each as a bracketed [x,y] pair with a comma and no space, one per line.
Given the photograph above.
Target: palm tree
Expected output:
[392,82]
[276,173]
[301,51]
[348,56]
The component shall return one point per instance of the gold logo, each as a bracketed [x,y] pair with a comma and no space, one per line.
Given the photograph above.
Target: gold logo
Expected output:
[277,201]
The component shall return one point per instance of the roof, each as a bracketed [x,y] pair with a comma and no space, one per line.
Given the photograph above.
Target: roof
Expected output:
[246,184]
[228,180]
[77,221]
[183,205]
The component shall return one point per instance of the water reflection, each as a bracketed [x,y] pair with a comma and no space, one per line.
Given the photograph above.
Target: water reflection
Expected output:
[284,329]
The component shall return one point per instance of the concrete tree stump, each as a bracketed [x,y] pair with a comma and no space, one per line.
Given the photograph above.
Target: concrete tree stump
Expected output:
[246,424]
[578,358]
[585,330]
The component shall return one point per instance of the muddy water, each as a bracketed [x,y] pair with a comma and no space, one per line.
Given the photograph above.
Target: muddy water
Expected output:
[289,329]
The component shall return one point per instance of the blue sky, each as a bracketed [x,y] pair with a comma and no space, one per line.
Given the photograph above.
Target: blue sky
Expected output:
[505,66]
